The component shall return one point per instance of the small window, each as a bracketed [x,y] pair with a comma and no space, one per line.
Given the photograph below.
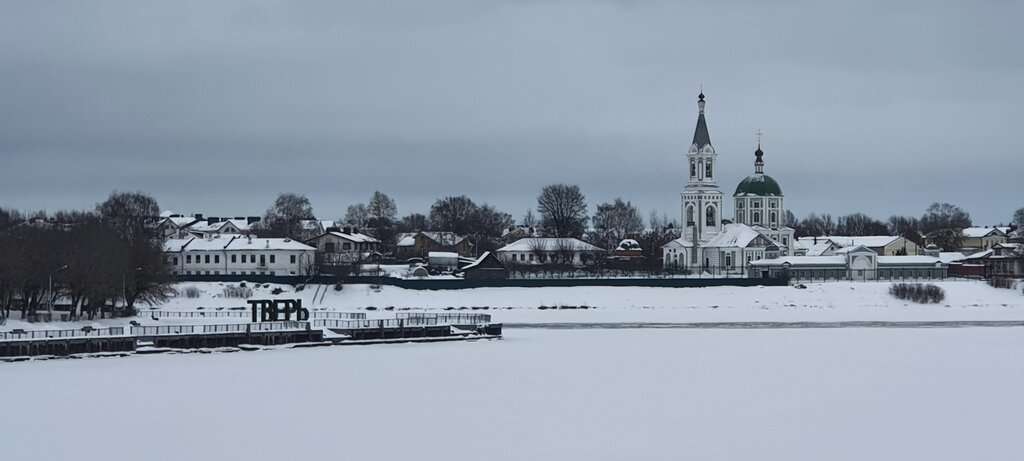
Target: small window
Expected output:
[207,257]
[188,259]
[273,259]
[234,259]
[175,260]
[291,259]
[216,259]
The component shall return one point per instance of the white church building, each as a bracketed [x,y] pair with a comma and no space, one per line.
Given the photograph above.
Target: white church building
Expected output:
[711,244]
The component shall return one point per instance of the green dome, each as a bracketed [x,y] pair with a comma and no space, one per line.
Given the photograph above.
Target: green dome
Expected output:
[760,185]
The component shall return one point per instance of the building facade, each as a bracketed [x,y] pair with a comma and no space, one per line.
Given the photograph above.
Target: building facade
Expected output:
[238,255]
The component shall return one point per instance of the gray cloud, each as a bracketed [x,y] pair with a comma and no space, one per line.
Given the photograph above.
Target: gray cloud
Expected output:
[217,106]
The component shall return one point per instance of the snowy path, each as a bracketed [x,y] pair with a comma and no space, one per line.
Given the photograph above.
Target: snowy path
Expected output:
[566,395]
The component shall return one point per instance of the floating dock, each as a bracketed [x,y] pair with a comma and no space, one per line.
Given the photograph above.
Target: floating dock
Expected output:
[325,330]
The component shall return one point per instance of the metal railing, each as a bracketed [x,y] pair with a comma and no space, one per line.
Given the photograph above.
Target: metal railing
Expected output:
[69,333]
[164,330]
[239,314]
[445,317]
[338,315]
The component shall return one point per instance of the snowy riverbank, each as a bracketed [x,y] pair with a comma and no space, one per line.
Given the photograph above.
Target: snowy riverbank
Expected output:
[821,302]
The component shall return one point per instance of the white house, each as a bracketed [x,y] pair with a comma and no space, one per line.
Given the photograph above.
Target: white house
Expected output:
[238,255]
[884,245]
[223,226]
[982,238]
[548,250]
[728,252]
[856,263]
[336,247]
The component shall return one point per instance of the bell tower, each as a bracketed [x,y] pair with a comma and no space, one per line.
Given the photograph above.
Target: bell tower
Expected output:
[701,199]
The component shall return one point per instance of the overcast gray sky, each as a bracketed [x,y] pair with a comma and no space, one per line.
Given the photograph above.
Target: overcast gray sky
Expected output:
[216,106]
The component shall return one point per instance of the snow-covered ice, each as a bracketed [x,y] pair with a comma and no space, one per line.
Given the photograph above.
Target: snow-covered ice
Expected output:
[850,394]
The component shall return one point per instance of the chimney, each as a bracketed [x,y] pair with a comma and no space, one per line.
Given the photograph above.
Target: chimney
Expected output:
[198,216]
[212,220]
[252,219]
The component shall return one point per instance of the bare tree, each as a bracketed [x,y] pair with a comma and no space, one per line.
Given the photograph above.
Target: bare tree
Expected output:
[357,215]
[284,218]
[454,214]
[381,207]
[563,210]
[615,221]
[130,214]
[944,223]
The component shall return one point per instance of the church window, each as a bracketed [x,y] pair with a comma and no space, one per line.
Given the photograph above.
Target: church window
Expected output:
[755,204]
[739,204]
[689,215]
[739,216]
[773,204]
[756,217]
[693,168]
[710,216]
[707,169]
[771,217]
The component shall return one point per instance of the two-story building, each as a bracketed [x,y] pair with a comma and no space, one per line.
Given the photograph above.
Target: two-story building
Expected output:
[238,255]
[344,246]
[420,244]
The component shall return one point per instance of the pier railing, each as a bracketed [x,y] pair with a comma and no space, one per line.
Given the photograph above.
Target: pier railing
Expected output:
[459,318]
[238,314]
[163,330]
[68,333]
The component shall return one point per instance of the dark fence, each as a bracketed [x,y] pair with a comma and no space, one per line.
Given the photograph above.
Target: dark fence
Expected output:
[69,333]
[665,279]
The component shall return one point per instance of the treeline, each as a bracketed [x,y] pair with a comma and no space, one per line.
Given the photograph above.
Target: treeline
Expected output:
[941,223]
[561,211]
[102,261]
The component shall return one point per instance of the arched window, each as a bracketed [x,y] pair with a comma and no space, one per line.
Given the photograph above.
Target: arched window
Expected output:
[739,216]
[756,217]
[693,168]
[689,214]
[707,169]
[772,217]
[710,216]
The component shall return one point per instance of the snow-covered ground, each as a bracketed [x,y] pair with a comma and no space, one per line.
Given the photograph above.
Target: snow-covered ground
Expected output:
[821,302]
[850,394]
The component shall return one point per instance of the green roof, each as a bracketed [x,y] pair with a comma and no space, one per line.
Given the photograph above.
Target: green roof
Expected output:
[759,184]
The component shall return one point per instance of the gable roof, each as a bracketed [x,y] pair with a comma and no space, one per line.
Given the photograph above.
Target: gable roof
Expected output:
[548,244]
[442,238]
[979,232]
[736,235]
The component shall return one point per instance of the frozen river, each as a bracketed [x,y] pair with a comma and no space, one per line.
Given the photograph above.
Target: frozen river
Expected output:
[578,394]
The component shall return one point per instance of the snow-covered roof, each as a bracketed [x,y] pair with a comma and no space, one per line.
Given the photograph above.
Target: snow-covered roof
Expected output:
[951,256]
[734,235]
[355,237]
[978,232]
[680,242]
[871,241]
[441,238]
[980,254]
[802,261]
[232,243]
[204,226]
[175,245]
[476,263]
[548,244]
[442,255]
[245,243]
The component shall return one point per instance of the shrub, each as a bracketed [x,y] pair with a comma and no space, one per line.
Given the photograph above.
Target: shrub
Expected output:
[191,292]
[918,292]
[276,291]
[240,291]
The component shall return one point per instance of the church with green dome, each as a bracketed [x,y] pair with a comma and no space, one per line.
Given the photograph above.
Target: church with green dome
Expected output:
[759,203]
[711,243]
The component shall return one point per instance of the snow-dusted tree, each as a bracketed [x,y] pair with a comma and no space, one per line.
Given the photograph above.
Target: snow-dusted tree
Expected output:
[529,219]
[615,221]
[381,207]
[860,224]
[908,227]
[944,223]
[414,222]
[454,214]
[283,218]
[817,225]
[357,215]
[563,210]
[1018,218]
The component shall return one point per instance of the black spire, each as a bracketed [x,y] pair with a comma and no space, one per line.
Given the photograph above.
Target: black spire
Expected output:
[700,135]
